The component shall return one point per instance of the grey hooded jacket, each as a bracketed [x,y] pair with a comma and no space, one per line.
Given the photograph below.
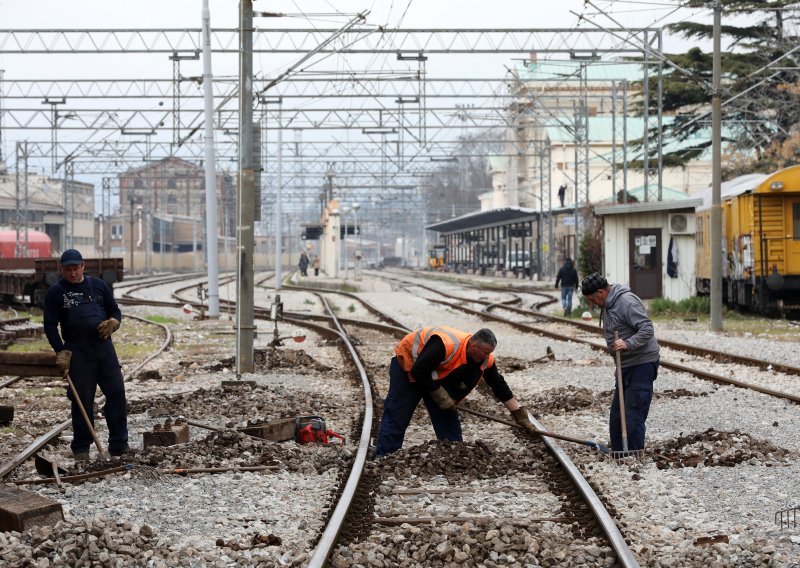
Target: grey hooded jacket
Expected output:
[625,313]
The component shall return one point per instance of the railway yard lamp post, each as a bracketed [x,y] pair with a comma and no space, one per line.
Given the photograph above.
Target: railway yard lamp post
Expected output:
[359,252]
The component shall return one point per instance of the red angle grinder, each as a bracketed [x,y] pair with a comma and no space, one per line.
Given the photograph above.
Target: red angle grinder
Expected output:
[313,430]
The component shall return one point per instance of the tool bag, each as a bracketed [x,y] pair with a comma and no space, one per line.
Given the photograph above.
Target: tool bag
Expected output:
[313,430]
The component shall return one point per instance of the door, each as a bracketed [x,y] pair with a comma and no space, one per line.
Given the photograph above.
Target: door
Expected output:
[645,262]
[792,236]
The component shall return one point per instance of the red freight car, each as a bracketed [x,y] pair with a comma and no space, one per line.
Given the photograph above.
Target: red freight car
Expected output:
[39,244]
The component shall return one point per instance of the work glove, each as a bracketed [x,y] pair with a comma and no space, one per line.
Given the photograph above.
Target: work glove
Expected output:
[63,358]
[442,399]
[107,327]
[521,417]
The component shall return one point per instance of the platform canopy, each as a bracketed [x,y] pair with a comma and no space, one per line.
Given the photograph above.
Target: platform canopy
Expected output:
[484,219]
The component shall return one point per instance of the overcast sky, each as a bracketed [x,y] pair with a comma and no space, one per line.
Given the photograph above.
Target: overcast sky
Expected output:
[158,14]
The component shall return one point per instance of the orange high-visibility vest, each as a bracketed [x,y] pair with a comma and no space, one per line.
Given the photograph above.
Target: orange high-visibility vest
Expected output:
[455,344]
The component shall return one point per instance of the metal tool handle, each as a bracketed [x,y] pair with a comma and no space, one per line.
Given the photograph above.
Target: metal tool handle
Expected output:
[621,396]
[537,431]
[97,443]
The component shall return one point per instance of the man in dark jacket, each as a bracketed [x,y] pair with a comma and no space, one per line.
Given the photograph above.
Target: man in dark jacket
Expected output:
[85,309]
[568,278]
[623,312]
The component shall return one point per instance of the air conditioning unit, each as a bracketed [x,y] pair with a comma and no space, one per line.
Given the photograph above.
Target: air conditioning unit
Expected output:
[682,224]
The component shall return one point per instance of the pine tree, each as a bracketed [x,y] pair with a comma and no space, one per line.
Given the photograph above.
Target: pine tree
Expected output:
[759,80]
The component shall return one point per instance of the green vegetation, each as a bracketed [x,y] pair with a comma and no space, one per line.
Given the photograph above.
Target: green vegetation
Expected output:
[688,306]
[161,319]
[309,302]
[351,308]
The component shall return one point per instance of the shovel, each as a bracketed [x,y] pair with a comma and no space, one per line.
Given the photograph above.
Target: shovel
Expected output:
[595,445]
[100,450]
[49,468]
[618,359]
[550,355]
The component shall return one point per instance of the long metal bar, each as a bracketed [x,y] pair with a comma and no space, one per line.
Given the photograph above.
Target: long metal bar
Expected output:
[245,207]
[715,323]
[303,40]
[331,533]
[210,167]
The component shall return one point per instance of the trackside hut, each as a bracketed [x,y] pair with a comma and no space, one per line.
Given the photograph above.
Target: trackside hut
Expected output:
[650,245]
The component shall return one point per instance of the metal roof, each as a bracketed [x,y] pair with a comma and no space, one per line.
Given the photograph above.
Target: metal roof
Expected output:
[482,219]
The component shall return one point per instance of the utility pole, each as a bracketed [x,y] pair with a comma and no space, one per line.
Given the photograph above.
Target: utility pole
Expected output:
[245,197]
[54,128]
[22,213]
[210,165]
[716,177]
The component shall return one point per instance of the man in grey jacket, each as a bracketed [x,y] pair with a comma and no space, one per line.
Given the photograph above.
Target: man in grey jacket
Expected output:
[623,312]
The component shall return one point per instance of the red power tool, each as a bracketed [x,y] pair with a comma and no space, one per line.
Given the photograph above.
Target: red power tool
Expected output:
[313,430]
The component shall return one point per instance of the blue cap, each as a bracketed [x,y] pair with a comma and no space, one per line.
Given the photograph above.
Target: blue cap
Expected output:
[71,257]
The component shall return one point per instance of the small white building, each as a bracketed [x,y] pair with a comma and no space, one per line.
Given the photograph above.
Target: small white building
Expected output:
[650,245]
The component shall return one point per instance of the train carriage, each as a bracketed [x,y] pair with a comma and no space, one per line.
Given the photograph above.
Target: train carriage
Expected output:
[761,242]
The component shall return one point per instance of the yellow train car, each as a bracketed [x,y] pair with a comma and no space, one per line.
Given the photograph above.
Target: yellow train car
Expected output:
[761,242]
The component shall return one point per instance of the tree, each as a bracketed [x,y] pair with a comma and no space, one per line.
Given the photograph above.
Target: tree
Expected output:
[760,112]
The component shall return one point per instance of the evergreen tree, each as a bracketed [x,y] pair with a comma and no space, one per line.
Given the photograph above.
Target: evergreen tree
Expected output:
[759,83]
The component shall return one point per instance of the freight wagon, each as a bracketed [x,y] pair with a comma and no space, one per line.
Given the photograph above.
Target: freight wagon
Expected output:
[27,279]
[760,244]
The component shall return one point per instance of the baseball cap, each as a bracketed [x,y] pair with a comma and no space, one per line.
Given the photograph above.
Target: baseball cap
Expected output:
[593,283]
[71,257]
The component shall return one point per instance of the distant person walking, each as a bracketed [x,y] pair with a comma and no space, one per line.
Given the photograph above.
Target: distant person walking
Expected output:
[303,264]
[315,265]
[568,278]
[623,312]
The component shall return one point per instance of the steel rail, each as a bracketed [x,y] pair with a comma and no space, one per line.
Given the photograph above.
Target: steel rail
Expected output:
[372,309]
[596,330]
[707,375]
[329,536]
[624,554]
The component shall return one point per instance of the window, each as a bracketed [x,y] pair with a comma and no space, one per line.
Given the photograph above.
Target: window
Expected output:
[796,220]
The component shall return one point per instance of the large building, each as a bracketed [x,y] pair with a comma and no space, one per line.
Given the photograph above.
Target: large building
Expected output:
[162,213]
[44,207]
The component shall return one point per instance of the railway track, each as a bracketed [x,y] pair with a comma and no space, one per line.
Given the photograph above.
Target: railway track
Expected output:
[584,511]
[594,331]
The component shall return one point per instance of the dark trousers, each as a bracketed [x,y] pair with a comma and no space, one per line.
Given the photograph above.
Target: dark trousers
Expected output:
[398,409]
[566,299]
[316,272]
[88,371]
[637,386]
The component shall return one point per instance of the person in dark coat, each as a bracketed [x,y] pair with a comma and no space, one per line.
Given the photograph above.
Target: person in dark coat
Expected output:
[568,278]
[303,264]
[85,309]
[624,313]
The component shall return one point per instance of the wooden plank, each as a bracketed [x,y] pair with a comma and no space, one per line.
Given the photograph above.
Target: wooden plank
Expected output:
[33,358]
[29,371]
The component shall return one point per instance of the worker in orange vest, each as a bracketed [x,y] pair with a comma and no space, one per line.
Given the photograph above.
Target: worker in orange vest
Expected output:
[440,365]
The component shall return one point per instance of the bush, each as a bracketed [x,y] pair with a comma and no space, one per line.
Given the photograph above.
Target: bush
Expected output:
[662,306]
[688,306]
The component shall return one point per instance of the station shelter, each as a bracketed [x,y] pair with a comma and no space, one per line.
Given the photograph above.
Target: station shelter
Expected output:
[508,240]
[650,245]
